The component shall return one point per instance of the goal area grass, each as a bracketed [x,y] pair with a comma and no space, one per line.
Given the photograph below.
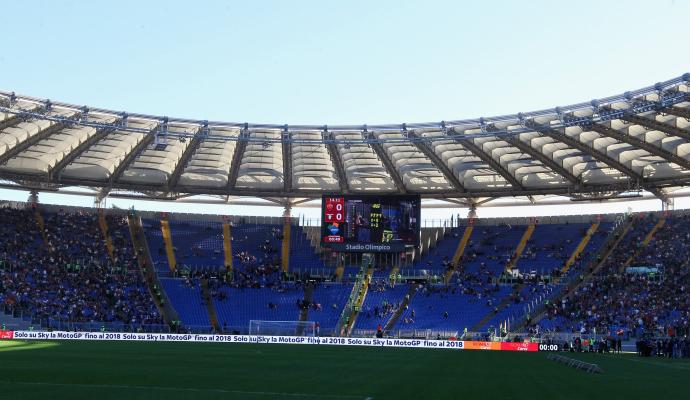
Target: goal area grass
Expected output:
[148,370]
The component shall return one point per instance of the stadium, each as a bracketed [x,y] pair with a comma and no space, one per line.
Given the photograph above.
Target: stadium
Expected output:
[340,285]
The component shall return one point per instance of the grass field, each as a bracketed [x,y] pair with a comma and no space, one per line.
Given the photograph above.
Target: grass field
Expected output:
[144,370]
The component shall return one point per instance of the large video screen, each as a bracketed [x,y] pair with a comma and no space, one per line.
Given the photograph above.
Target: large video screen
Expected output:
[370,223]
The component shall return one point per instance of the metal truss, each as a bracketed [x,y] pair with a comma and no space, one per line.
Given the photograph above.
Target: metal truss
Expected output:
[635,142]
[668,96]
[653,124]
[428,151]
[390,167]
[287,160]
[237,159]
[187,155]
[548,122]
[544,159]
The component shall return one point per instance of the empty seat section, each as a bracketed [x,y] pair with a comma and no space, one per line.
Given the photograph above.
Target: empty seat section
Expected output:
[330,300]
[186,299]
[380,304]
[302,254]
[441,255]
[198,244]
[154,239]
[237,306]
[429,306]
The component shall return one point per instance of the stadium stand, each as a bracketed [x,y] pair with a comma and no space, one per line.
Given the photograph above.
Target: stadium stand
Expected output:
[66,277]
[237,306]
[185,295]
[648,294]
[641,286]
[381,303]
[198,244]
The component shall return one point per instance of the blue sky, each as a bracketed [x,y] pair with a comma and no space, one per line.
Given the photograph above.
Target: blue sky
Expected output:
[324,62]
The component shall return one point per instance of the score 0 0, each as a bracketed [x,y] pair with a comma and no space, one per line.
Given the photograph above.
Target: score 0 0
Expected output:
[334,210]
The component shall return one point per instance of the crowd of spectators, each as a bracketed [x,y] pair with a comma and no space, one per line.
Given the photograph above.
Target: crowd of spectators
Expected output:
[385,309]
[655,296]
[65,273]
[260,267]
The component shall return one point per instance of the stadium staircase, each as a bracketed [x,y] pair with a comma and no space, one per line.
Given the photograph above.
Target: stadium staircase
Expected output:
[141,250]
[459,252]
[518,287]
[169,248]
[285,251]
[393,276]
[356,299]
[608,247]
[339,271]
[647,239]
[106,234]
[308,298]
[504,303]
[580,247]
[42,226]
[227,248]
[520,247]
[210,307]
[390,324]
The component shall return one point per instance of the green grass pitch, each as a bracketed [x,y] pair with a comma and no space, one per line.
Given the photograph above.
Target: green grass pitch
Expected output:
[145,370]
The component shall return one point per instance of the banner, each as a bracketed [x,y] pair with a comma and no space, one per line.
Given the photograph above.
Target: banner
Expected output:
[334,341]
[518,346]
[482,345]
[6,334]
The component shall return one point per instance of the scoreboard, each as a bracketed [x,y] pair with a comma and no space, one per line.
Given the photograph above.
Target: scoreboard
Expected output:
[369,223]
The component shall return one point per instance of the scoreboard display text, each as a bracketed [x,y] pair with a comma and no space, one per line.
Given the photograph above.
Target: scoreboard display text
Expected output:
[370,223]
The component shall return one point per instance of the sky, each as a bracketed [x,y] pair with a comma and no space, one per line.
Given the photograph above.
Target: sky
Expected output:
[327,62]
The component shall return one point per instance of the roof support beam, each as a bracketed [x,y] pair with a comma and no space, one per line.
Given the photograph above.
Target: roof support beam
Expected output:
[339,168]
[633,141]
[186,156]
[132,155]
[543,158]
[287,161]
[428,151]
[678,112]
[459,202]
[576,144]
[397,180]
[495,165]
[237,159]
[653,124]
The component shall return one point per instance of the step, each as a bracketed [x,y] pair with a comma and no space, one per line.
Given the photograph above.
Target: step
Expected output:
[169,248]
[390,324]
[520,247]
[285,251]
[103,223]
[647,239]
[227,247]
[580,247]
[462,245]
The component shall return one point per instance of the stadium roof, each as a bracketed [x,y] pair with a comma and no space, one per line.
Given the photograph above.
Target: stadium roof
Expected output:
[636,141]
